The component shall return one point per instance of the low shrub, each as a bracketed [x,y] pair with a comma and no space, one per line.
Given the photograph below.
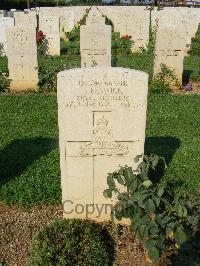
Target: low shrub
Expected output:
[4,82]
[160,218]
[50,66]
[163,81]
[42,43]
[195,45]
[121,45]
[69,242]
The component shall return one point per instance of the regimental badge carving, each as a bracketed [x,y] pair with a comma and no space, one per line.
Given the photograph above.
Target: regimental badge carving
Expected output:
[20,37]
[103,142]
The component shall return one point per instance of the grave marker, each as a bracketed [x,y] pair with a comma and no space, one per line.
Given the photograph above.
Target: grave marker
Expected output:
[95,41]
[22,58]
[102,117]
[169,50]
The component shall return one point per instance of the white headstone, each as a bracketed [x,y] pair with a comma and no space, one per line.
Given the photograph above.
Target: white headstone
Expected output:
[95,41]
[169,50]
[22,19]
[102,117]
[66,23]
[22,58]
[50,27]
[5,22]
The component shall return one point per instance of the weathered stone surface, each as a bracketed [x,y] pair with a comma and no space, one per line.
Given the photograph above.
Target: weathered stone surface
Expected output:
[95,17]
[66,23]
[22,58]
[5,22]
[102,117]
[169,50]
[49,24]
[95,41]
[133,21]
[22,19]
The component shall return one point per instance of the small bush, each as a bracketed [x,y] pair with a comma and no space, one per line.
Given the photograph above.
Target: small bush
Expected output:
[50,66]
[160,218]
[4,82]
[121,45]
[195,46]
[69,242]
[163,81]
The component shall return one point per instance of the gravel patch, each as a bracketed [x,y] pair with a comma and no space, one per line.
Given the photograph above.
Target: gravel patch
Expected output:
[18,227]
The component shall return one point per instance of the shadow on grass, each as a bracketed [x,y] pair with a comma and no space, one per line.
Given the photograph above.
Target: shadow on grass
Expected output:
[163,147]
[186,76]
[21,153]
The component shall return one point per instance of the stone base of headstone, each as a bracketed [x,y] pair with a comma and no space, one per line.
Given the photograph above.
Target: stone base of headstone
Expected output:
[23,86]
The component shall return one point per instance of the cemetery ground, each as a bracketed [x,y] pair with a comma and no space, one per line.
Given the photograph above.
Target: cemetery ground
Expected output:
[29,162]
[30,192]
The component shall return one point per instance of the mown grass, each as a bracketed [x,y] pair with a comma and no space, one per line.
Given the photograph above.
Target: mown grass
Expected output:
[191,68]
[29,154]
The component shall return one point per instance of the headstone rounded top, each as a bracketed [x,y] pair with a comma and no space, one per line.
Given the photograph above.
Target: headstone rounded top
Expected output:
[102,69]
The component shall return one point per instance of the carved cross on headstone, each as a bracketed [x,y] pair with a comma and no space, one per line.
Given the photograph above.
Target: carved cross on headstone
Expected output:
[101,146]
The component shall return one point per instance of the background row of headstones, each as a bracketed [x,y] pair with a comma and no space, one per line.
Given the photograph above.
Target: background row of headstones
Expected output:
[175,29]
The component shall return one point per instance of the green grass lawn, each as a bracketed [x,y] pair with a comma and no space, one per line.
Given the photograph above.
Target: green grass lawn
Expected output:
[29,154]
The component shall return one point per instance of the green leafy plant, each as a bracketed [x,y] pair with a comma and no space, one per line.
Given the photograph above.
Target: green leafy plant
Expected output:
[4,82]
[42,43]
[195,46]
[72,43]
[1,49]
[69,242]
[121,45]
[163,81]
[158,217]
[50,66]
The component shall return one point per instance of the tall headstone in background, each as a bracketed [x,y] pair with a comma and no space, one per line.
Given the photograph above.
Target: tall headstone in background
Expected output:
[29,19]
[102,118]
[66,23]
[136,24]
[22,58]
[169,50]
[95,41]
[5,22]
[49,24]
[130,20]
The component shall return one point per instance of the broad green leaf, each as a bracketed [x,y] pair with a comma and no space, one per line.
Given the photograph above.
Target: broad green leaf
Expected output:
[142,233]
[149,206]
[153,228]
[118,216]
[133,186]
[160,191]
[154,161]
[107,193]
[111,182]
[136,159]
[153,253]
[127,175]
[180,236]
[149,244]
[179,210]
[120,179]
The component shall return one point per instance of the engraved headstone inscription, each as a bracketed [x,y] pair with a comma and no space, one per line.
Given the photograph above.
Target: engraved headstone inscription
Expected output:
[95,41]
[22,57]
[102,117]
